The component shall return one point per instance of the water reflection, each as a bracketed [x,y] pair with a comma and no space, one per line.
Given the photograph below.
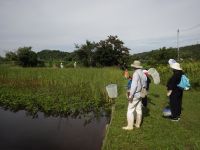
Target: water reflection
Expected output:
[19,131]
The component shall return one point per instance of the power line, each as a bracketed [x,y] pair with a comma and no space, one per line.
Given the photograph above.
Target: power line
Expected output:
[190,28]
[178,34]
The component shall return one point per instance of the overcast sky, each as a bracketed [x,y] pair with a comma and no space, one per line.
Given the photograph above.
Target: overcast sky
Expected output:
[142,25]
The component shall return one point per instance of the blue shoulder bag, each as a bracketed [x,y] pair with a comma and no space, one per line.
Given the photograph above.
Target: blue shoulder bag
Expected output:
[184,83]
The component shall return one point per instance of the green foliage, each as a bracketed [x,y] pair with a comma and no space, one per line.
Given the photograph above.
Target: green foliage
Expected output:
[109,52]
[161,56]
[52,55]
[23,56]
[26,57]
[2,60]
[56,91]
[190,53]
[85,53]
[191,69]
[112,52]
[11,56]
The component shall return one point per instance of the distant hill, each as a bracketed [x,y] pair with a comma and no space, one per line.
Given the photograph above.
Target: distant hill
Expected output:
[187,53]
[191,52]
[161,56]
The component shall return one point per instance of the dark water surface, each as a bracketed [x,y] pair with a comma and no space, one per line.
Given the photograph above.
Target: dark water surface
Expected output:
[21,132]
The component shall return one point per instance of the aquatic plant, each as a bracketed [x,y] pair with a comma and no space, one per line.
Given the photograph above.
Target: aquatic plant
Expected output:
[56,91]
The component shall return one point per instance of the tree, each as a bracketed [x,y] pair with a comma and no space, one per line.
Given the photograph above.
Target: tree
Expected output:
[27,58]
[85,53]
[1,59]
[112,52]
[107,52]
[52,55]
[11,56]
[104,55]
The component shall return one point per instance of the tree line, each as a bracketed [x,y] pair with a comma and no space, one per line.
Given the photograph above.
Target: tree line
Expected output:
[108,52]
[162,55]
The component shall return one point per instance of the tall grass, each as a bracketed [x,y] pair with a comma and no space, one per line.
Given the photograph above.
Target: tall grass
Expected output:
[191,69]
[56,91]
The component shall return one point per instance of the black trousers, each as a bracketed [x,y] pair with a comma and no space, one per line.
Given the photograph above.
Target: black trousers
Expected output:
[144,101]
[176,104]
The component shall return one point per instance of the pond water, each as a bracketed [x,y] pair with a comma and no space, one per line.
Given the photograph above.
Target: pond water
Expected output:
[21,132]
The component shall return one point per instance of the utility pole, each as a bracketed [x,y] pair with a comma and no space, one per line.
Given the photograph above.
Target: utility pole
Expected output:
[178,44]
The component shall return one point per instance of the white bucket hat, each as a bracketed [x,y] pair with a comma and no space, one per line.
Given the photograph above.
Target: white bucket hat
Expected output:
[171,61]
[136,64]
[176,66]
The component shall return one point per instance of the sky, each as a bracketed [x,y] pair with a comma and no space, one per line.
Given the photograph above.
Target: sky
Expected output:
[142,25]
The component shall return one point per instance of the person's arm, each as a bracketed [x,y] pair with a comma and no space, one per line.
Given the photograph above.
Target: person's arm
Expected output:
[134,84]
[170,85]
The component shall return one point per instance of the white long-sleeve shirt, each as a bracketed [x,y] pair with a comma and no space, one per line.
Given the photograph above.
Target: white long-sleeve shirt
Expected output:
[138,81]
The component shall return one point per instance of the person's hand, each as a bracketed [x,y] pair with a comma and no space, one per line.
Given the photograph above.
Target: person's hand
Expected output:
[169,93]
[130,100]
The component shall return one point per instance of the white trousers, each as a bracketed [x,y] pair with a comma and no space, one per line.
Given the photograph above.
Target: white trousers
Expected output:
[134,108]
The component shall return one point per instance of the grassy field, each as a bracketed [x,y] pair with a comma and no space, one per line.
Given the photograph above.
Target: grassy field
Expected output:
[156,132]
[72,91]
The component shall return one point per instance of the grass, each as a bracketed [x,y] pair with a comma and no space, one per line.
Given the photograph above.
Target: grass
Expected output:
[191,69]
[156,132]
[68,91]
[56,91]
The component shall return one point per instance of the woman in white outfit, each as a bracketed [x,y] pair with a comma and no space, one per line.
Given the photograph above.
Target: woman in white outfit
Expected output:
[135,103]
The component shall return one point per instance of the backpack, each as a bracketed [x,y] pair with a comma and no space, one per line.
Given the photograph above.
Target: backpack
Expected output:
[184,83]
[143,92]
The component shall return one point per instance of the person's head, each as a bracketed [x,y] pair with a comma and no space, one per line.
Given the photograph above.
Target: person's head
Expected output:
[136,65]
[130,78]
[176,67]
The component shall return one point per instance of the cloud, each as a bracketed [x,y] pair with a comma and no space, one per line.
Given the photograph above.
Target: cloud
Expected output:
[59,24]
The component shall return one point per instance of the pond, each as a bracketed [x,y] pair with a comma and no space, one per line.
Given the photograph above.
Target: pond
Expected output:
[19,131]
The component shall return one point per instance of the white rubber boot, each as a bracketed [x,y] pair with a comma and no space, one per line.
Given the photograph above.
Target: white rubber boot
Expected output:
[130,119]
[127,128]
[138,121]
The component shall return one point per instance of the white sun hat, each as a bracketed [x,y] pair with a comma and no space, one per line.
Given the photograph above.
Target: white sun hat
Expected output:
[136,64]
[171,61]
[176,66]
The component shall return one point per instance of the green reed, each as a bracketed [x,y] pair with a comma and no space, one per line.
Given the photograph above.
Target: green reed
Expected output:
[191,69]
[57,91]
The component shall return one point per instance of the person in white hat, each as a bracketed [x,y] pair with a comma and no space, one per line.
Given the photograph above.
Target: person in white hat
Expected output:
[75,64]
[174,92]
[61,65]
[135,103]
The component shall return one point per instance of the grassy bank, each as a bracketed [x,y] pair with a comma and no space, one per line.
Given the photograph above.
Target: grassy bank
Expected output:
[56,91]
[156,132]
[73,91]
